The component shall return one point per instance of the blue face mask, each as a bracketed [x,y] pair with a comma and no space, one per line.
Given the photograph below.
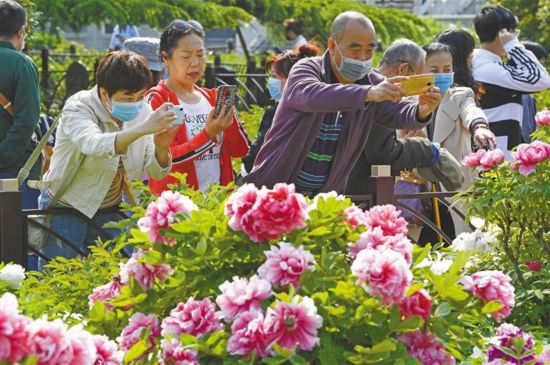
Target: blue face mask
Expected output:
[274,87]
[126,112]
[444,81]
[352,69]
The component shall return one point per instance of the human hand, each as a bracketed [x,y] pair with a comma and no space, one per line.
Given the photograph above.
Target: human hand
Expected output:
[427,102]
[215,125]
[483,137]
[387,90]
[159,120]
[164,138]
[505,36]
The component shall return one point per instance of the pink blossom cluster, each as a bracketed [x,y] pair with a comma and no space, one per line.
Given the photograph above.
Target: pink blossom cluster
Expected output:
[173,353]
[195,317]
[417,304]
[164,211]
[543,118]
[242,295]
[145,274]
[266,214]
[527,156]
[376,239]
[483,160]
[506,339]
[355,216]
[105,292]
[290,325]
[388,218]
[426,348]
[50,342]
[285,264]
[138,324]
[492,285]
[386,274]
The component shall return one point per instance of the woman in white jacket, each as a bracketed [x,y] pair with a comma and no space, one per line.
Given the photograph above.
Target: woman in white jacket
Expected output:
[106,136]
[458,119]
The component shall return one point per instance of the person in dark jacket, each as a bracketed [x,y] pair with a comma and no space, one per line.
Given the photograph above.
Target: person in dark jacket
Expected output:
[402,58]
[19,99]
[279,68]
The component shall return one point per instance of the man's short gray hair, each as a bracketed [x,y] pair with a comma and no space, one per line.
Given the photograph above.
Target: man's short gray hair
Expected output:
[340,22]
[403,51]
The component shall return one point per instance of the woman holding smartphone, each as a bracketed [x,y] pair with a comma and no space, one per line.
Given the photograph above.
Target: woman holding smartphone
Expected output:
[205,142]
[458,119]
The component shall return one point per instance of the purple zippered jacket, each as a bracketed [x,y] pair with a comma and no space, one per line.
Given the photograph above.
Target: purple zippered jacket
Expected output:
[311,93]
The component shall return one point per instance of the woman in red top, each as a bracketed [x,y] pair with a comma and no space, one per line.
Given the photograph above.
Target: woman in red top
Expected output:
[204,145]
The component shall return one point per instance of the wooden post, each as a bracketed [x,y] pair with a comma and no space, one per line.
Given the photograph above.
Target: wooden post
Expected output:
[13,227]
[381,184]
[45,64]
[217,60]
[209,77]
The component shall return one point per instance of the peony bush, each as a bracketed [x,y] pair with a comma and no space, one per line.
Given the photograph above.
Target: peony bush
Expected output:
[259,276]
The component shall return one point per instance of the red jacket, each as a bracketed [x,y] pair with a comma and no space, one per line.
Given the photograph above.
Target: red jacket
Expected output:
[235,142]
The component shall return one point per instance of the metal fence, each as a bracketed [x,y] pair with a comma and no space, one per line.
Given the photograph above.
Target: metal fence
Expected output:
[63,74]
[14,221]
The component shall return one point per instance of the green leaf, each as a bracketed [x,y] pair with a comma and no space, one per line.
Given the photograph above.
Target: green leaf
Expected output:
[387,345]
[443,309]
[492,307]
[410,324]
[97,313]
[414,288]
[298,360]
[136,351]
[539,294]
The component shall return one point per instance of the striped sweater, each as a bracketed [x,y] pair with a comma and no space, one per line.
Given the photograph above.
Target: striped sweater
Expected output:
[184,151]
[503,85]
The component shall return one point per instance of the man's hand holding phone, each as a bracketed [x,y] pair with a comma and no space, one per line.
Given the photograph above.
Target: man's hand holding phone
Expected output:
[388,90]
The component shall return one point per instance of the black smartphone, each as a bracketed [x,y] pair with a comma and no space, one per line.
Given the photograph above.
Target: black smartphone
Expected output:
[226,98]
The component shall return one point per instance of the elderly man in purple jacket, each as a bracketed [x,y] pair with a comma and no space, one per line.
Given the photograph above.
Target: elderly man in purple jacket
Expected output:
[328,107]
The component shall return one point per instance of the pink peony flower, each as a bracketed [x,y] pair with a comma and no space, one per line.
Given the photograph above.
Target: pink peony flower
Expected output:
[386,273]
[14,330]
[50,344]
[426,348]
[295,324]
[145,274]
[105,292]
[137,325]
[107,351]
[239,203]
[241,296]
[473,160]
[388,219]
[274,213]
[194,317]
[355,216]
[82,346]
[490,159]
[163,212]
[173,353]
[507,334]
[529,155]
[418,304]
[248,334]
[285,264]
[375,239]
[492,285]
[543,118]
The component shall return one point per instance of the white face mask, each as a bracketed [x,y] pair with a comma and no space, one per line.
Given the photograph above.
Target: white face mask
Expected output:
[352,69]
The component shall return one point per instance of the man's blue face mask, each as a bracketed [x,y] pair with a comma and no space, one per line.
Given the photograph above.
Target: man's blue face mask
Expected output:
[444,81]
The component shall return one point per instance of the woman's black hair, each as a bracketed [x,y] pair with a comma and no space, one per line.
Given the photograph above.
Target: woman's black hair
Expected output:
[175,31]
[462,45]
[435,47]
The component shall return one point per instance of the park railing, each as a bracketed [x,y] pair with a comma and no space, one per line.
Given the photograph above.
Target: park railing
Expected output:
[14,221]
[63,74]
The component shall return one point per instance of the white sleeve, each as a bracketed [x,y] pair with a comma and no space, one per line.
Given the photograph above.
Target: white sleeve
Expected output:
[523,72]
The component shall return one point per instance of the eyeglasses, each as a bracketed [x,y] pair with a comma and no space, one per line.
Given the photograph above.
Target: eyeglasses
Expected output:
[186,26]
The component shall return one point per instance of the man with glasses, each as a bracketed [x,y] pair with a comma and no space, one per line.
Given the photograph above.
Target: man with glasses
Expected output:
[19,99]
[503,83]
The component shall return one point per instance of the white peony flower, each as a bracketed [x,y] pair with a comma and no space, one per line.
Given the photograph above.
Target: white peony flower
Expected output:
[13,274]
[441,266]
